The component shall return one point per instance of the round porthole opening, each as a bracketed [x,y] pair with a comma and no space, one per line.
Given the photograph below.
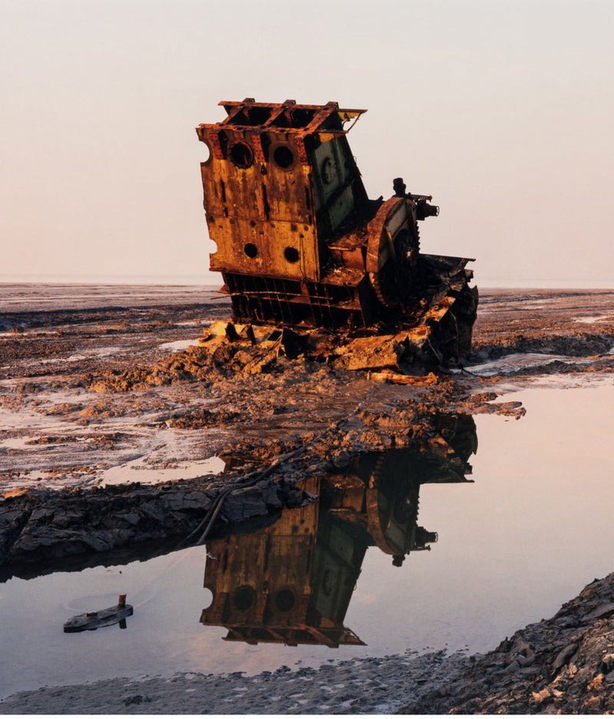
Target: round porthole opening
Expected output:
[291,254]
[244,597]
[283,157]
[251,250]
[208,599]
[241,155]
[284,599]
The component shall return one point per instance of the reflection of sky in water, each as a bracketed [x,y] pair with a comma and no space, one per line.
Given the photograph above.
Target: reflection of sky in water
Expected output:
[514,362]
[179,344]
[525,537]
[147,475]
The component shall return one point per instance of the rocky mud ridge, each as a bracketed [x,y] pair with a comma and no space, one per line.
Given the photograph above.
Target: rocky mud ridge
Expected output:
[45,530]
[77,419]
[563,665]
[44,525]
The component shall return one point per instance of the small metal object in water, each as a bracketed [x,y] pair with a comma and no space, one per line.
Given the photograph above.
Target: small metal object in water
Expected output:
[103,618]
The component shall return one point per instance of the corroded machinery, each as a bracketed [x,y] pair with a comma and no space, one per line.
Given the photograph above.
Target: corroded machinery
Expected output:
[300,245]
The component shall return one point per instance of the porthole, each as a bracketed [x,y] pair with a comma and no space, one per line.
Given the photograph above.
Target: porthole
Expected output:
[292,255]
[244,597]
[251,250]
[241,155]
[283,157]
[207,599]
[284,599]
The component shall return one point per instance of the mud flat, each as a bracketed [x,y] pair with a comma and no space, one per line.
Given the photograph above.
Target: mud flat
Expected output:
[99,396]
[106,394]
[363,686]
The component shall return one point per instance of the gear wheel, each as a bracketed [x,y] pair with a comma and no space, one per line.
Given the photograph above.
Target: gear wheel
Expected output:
[382,297]
[391,259]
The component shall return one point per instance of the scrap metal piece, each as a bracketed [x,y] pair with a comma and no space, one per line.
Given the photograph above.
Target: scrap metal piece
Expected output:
[300,245]
[89,621]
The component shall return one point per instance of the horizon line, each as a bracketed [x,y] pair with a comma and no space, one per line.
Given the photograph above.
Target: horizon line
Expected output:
[210,280]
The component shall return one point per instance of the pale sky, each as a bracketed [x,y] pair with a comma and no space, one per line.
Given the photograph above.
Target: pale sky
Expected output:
[503,110]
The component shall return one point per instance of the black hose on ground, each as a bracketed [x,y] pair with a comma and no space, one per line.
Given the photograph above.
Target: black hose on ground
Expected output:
[252,479]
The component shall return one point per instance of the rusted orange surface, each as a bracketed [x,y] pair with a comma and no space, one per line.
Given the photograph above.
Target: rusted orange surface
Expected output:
[300,244]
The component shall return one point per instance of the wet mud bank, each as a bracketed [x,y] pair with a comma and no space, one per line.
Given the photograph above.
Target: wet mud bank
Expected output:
[42,531]
[573,322]
[563,665]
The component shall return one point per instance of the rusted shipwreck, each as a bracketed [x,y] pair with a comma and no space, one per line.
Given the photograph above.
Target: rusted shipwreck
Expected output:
[300,245]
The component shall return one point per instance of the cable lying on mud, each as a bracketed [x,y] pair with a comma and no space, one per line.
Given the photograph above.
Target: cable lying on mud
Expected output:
[216,506]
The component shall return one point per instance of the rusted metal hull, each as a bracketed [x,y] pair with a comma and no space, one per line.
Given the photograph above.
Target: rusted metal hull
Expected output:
[300,245]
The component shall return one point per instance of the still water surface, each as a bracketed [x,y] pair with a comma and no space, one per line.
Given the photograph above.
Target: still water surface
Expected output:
[519,535]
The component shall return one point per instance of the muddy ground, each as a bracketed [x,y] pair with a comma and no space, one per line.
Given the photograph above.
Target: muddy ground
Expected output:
[104,387]
[93,399]
[101,387]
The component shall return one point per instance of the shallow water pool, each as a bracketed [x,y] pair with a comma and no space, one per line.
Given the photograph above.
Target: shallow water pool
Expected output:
[486,556]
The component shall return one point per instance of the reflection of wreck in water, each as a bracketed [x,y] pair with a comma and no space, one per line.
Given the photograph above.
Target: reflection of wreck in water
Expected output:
[292,582]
